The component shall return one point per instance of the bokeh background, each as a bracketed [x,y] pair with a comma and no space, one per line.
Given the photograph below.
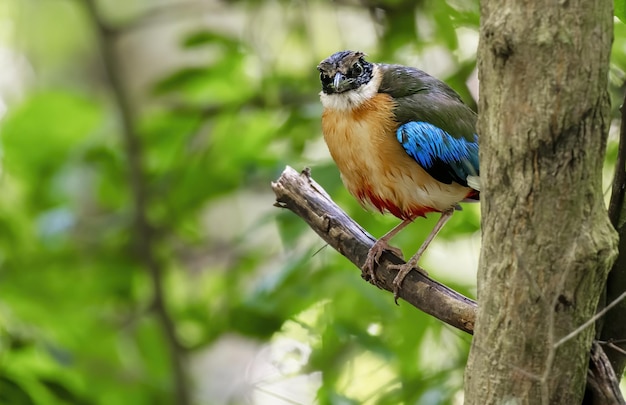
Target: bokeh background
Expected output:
[141,258]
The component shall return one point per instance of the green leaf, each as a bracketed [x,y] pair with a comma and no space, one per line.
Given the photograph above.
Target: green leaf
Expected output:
[620,9]
[205,37]
[12,393]
[38,135]
[189,76]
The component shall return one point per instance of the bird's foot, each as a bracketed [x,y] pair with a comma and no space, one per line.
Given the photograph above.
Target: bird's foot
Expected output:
[373,256]
[403,270]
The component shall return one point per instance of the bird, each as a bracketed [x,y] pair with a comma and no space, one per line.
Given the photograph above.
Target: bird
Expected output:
[404,142]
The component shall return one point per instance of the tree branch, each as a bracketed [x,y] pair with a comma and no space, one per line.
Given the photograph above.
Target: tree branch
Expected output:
[602,383]
[144,235]
[613,328]
[619,180]
[301,194]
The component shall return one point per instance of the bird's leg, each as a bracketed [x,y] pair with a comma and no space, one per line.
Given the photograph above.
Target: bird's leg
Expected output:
[379,247]
[404,269]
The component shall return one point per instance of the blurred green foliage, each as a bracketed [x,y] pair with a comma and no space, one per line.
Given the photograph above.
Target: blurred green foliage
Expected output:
[221,103]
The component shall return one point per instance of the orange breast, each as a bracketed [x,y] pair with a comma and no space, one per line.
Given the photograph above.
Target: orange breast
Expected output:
[375,168]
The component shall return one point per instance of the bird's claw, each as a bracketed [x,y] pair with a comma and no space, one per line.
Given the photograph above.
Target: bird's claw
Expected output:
[373,257]
[403,270]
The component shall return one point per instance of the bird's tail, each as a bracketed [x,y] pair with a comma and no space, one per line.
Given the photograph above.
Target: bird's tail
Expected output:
[474,182]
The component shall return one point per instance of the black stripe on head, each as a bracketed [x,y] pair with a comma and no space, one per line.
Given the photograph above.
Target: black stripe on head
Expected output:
[344,71]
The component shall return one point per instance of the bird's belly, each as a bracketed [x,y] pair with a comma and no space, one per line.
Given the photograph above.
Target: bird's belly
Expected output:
[375,168]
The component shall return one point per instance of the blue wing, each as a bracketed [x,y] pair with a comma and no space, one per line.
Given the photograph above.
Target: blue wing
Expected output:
[447,158]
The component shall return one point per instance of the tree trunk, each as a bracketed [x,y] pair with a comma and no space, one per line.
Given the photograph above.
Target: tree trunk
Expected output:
[547,240]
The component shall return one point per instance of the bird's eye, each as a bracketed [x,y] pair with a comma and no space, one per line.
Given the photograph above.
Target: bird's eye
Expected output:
[325,78]
[356,70]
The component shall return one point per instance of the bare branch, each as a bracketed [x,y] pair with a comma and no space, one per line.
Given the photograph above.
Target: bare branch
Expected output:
[143,232]
[302,195]
[601,379]
[612,327]
[616,348]
[619,180]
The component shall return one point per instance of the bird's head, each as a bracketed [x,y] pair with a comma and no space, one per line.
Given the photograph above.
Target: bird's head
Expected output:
[347,79]
[344,71]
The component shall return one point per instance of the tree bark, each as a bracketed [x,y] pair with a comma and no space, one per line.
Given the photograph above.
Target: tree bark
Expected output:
[547,241]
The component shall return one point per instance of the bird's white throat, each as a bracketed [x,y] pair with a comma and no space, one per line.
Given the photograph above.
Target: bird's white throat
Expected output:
[354,98]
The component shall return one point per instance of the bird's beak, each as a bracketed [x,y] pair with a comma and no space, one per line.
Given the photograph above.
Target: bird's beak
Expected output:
[337,80]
